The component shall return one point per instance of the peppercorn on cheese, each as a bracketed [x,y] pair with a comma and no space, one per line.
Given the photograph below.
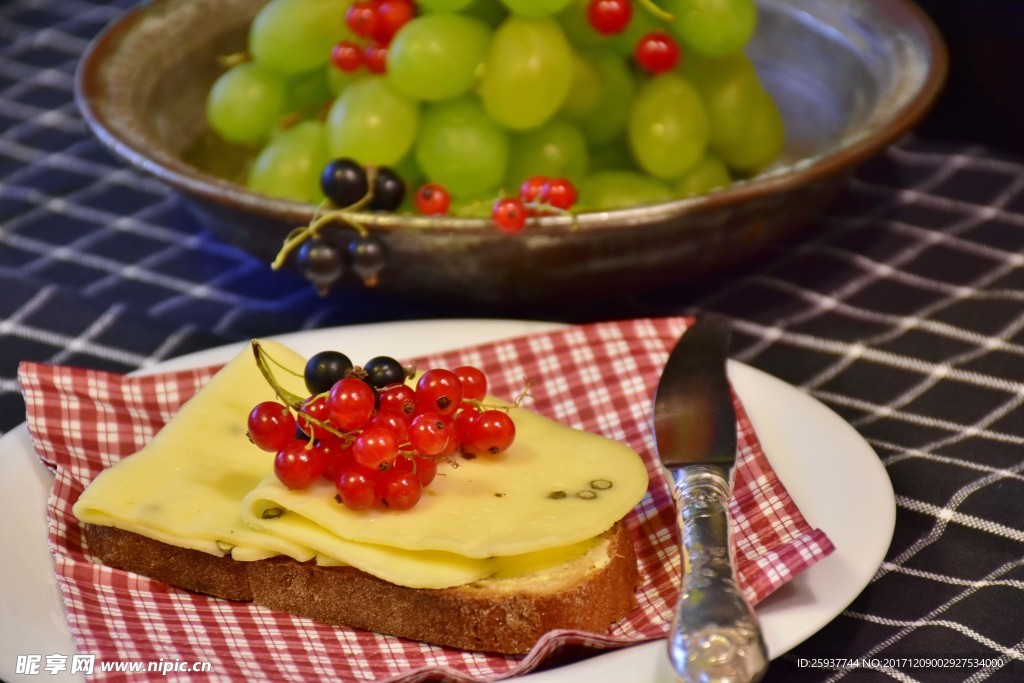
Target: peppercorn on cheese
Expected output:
[201,484]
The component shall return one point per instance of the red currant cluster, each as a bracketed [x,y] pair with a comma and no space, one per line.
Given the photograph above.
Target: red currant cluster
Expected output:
[378,439]
[537,195]
[376,21]
[655,52]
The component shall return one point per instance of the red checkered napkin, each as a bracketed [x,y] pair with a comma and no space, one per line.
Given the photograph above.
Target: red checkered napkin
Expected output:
[598,377]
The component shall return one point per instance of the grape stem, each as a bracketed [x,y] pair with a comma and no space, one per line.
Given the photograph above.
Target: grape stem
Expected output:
[234,59]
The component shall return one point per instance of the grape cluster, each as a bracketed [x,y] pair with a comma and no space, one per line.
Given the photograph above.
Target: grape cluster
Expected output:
[378,439]
[633,102]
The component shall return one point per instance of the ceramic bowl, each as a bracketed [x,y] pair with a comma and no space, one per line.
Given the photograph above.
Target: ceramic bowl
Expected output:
[849,78]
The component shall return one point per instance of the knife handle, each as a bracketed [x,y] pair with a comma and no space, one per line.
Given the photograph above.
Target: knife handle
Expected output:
[715,635]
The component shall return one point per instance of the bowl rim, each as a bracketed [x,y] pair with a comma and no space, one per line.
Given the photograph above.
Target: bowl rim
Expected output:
[843,157]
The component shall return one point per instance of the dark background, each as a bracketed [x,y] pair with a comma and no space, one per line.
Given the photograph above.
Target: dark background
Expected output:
[983,101]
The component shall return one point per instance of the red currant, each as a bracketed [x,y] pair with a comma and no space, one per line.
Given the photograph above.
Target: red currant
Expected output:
[394,422]
[474,382]
[271,426]
[298,465]
[534,189]
[399,490]
[428,433]
[491,433]
[316,408]
[432,199]
[375,57]
[438,391]
[425,469]
[509,215]
[391,16]
[362,18]
[561,193]
[467,415]
[657,52]
[609,17]
[357,487]
[336,454]
[350,403]
[398,398]
[347,56]
[375,447]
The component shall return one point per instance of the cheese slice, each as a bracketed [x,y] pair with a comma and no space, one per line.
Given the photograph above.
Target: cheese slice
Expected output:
[185,486]
[200,484]
[555,486]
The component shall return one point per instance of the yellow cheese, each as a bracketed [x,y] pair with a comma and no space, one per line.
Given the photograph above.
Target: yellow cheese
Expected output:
[200,484]
[185,486]
[555,486]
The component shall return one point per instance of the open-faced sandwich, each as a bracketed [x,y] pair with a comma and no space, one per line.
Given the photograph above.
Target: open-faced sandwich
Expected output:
[412,506]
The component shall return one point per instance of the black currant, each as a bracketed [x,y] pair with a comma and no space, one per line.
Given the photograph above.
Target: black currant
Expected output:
[388,190]
[324,369]
[320,262]
[383,371]
[368,256]
[344,182]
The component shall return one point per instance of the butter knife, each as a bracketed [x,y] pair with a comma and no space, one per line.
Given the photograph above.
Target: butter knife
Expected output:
[715,635]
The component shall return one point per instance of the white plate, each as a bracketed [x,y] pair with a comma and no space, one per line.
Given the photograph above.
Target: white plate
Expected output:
[831,472]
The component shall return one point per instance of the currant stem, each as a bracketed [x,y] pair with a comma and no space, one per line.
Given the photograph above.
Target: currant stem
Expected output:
[658,12]
[291,400]
[321,218]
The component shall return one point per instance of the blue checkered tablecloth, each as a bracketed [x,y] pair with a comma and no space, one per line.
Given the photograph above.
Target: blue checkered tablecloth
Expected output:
[901,308]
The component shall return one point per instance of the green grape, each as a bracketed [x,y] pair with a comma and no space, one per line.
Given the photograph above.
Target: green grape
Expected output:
[577,28]
[245,103]
[289,167]
[668,126]
[527,73]
[535,9]
[764,136]
[308,90]
[461,148]
[297,35]
[710,173]
[490,12]
[436,56]
[338,80]
[556,150]
[477,205]
[713,27]
[607,119]
[620,189]
[612,156]
[746,126]
[586,86]
[371,123]
[443,5]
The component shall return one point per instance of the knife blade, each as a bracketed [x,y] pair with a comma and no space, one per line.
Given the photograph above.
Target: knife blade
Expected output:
[715,635]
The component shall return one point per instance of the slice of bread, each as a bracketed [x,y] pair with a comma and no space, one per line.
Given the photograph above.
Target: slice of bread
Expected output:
[505,615]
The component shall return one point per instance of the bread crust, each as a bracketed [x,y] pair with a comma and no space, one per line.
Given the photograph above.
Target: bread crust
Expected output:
[192,570]
[496,615]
